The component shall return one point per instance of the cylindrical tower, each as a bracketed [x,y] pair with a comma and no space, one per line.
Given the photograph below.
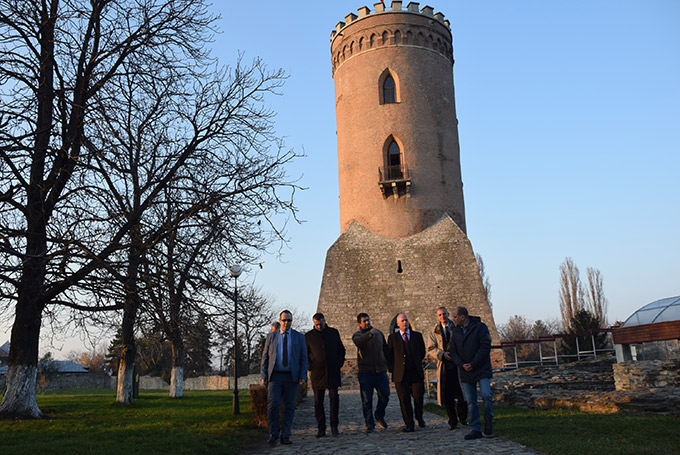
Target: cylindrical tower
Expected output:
[398,151]
[403,246]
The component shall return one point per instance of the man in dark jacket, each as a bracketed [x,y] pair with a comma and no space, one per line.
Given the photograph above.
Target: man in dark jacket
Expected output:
[470,349]
[372,363]
[405,353]
[325,355]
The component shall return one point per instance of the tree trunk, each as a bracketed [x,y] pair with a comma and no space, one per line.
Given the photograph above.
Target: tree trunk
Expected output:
[177,343]
[19,400]
[126,367]
[125,392]
[177,382]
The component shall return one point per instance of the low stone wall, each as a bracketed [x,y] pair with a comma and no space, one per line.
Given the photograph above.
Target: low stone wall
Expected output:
[208,383]
[220,382]
[73,381]
[101,380]
[152,383]
[647,374]
[586,386]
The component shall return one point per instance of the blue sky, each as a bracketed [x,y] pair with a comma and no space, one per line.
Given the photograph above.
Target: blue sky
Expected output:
[569,122]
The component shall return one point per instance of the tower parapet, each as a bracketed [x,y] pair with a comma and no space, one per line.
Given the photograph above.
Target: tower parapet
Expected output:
[348,39]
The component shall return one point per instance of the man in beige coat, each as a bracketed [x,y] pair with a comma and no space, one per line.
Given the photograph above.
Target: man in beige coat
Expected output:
[448,386]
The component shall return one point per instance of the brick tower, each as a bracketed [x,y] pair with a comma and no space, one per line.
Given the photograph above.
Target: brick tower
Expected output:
[403,246]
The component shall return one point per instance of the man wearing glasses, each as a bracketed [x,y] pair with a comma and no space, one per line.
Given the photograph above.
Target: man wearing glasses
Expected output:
[284,366]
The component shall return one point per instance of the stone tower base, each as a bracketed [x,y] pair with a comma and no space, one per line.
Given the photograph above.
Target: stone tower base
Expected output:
[383,277]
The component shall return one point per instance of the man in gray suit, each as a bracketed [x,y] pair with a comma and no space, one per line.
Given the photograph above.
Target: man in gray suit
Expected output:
[284,366]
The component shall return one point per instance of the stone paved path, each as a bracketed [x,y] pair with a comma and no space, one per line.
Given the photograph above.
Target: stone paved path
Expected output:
[436,438]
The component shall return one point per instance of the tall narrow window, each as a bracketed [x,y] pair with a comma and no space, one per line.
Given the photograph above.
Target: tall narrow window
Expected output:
[394,171]
[389,93]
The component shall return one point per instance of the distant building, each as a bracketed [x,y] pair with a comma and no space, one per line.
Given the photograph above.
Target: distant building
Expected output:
[55,366]
[4,354]
[62,366]
[651,333]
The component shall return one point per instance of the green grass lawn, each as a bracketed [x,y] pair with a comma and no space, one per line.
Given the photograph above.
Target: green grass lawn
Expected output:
[567,432]
[89,421]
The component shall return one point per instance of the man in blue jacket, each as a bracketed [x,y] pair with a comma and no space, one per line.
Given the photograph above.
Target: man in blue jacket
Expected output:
[470,349]
[284,365]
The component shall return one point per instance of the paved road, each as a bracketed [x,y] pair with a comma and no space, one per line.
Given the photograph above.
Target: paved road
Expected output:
[436,438]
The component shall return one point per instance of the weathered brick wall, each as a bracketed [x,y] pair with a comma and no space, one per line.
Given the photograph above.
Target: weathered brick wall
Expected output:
[647,374]
[437,268]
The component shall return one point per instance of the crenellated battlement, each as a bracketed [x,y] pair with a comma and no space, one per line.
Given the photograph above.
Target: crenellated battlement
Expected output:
[396,6]
[411,27]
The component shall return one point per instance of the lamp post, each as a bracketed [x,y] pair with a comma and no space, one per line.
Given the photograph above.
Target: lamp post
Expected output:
[235,271]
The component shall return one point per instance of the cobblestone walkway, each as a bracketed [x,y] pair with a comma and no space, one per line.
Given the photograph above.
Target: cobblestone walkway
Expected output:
[436,438]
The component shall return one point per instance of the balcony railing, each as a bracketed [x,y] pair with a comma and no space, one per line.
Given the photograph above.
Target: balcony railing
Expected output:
[394,181]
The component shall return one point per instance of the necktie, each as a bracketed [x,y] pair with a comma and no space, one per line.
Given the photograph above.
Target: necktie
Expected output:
[445,336]
[406,338]
[285,350]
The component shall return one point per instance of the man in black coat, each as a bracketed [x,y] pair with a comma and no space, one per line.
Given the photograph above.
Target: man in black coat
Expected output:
[470,349]
[325,355]
[405,353]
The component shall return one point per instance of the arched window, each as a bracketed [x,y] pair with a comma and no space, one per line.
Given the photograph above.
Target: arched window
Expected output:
[389,91]
[394,169]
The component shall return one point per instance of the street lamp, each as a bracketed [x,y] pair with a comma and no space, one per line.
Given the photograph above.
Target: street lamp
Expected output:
[235,271]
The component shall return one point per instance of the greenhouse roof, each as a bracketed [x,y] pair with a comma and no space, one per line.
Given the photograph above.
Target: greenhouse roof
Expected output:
[664,310]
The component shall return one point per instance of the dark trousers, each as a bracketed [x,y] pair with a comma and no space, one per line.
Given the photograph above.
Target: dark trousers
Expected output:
[451,391]
[381,384]
[405,390]
[281,388]
[319,411]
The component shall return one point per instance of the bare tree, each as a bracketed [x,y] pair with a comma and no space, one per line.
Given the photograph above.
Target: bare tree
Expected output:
[485,279]
[211,147]
[596,302]
[60,63]
[520,328]
[571,292]
[255,315]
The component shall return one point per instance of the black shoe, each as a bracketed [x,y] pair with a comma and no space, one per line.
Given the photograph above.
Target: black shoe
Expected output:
[421,423]
[369,428]
[474,434]
[453,427]
[407,430]
[334,431]
[464,423]
[321,434]
[382,423]
[286,441]
[272,439]
[488,429]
